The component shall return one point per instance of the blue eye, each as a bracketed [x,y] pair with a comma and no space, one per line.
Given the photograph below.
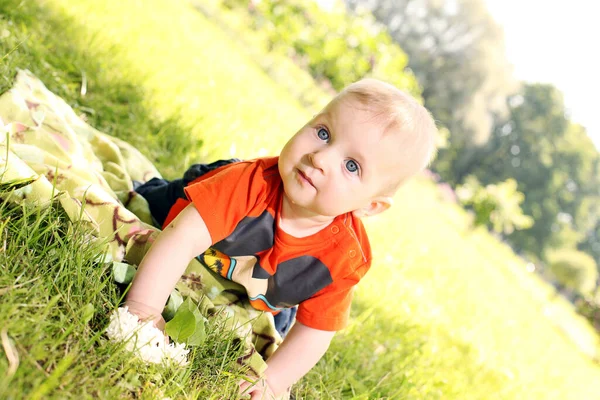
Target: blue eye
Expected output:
[352,166]
[323,134]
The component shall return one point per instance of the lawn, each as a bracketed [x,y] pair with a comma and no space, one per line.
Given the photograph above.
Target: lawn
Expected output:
[447,312]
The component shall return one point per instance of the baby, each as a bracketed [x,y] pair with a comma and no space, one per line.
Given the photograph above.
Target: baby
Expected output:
[288,228]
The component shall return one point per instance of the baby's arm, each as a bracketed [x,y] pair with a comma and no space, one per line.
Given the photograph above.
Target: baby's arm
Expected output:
[302,348]
[165,262]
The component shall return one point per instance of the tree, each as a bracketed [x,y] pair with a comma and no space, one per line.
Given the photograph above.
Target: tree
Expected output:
[496,206]
[331,44]
[591,242]
[578,167]
[574,270]
[555,164]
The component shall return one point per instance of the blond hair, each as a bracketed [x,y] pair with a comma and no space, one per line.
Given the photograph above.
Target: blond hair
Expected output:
[401,114]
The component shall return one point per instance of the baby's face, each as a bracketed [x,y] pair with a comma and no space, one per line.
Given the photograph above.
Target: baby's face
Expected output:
[339,161]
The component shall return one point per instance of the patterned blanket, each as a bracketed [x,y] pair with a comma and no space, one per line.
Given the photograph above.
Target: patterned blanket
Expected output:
[50,154]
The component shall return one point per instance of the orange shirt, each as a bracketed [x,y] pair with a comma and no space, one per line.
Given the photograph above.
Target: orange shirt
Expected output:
[240,204]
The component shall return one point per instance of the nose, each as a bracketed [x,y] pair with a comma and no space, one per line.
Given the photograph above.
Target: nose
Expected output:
[317,159]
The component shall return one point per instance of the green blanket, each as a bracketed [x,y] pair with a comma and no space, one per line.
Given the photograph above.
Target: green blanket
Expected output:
[90,173]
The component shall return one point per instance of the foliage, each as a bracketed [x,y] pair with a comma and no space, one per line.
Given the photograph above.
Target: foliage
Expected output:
[574,270]
[331,44]
[589,307]
[495,205]
[555,164]
[187,326]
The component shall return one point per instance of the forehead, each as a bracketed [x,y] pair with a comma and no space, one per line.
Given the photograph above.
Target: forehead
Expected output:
[346,115]
[365,133]
[384,148]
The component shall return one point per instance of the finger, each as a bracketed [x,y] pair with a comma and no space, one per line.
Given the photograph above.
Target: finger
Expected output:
[244,385]
[160,323]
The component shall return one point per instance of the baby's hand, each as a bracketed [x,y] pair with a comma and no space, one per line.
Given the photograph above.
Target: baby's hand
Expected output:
[258,389]
[146,313]
[143,339]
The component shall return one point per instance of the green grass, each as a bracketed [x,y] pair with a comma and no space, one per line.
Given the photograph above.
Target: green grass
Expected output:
[33,38]
[56,295]
[445,313]
[222,94]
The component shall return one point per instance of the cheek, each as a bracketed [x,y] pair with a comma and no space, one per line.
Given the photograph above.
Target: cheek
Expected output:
[338,187]
[291,145]
[287,154]
[346,191]
[299,148]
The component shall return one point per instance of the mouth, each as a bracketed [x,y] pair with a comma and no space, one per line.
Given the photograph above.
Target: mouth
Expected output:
[304,178]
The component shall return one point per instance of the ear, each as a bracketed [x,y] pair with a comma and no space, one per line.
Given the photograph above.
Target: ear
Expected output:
[377,205]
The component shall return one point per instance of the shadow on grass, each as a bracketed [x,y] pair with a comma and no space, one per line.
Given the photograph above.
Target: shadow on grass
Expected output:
[91,78]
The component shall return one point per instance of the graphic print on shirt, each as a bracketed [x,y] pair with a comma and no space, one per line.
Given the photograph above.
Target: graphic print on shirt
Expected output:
[237,258]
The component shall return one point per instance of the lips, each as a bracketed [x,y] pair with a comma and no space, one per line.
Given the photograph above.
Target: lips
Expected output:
[305,178]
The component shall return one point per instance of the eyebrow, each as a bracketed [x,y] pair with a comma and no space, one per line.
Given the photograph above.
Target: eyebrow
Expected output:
[326,115]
